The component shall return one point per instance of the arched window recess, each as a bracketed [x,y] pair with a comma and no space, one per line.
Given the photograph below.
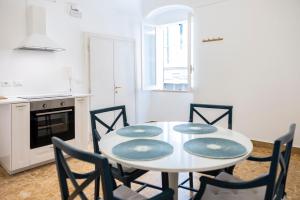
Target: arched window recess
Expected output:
[167,49]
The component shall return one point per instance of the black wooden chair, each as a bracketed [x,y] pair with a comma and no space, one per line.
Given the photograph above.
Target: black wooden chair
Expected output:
[101,170]
[126,175]
[228,109]
[269,187]
[193,110]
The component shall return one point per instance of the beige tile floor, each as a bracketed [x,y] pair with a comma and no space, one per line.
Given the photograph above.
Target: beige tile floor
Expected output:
[41,183]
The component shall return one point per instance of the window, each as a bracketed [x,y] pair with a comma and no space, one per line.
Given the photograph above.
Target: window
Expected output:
[167,55]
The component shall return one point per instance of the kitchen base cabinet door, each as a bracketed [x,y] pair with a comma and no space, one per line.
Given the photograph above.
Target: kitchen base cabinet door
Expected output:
[82,122]
[20,129]
[5,136]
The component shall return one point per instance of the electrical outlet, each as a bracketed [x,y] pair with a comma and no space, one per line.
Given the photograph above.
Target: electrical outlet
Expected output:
[74,10]
[5,84]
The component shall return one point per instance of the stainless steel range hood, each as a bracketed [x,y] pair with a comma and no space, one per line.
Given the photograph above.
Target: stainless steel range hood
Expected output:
[37,39]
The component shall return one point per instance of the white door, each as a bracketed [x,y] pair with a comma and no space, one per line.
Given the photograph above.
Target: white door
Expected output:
[101,72]
[125,77]
[112,75]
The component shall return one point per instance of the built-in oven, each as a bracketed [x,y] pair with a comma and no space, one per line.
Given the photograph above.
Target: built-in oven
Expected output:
[51,118]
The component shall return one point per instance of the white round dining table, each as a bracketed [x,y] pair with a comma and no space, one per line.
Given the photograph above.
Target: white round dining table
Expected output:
[179,160]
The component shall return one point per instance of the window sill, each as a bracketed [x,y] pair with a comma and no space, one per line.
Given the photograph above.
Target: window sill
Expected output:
[168,91]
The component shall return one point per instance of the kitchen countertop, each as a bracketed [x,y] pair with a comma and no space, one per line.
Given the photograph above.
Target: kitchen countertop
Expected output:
[14,99]
[11,100]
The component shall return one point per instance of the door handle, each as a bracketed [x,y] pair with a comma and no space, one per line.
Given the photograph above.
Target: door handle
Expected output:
[21,106]
[116,89]
[54,112]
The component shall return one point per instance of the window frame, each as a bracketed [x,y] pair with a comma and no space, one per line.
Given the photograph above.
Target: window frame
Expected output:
[159,84]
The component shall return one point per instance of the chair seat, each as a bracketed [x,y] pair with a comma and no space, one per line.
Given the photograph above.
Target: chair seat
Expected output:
[212,173]
[125,193]
[125,169]
[215,193]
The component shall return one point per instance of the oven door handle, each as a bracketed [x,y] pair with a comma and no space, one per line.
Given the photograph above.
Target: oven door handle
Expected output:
[54,112]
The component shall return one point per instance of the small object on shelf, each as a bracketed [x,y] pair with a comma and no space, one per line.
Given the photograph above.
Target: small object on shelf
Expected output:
[213,39]
[2,98]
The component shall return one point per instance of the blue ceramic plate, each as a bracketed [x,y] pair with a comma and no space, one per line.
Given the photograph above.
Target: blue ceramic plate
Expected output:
[215,148]
[195,128]
[140,131]
[142,149]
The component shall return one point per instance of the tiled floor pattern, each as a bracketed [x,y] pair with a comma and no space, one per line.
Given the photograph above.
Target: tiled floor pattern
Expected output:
[41,183]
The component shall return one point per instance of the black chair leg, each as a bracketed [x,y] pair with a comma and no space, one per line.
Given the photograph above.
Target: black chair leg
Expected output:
[191,179]
[127,184]
[97,188]
[164,181]
[229,170]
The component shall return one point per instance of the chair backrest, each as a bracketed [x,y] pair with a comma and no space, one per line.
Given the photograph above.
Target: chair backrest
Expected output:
[280,157]
[95,114]
[228,109]
[102,170]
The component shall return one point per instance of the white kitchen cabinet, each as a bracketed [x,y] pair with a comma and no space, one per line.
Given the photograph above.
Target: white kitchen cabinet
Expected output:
[20,135]
[82,122]
[14,136]
[46,153]
[15,152]
[5,136]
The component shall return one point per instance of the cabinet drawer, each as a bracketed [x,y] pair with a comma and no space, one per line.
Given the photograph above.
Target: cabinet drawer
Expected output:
[43,154]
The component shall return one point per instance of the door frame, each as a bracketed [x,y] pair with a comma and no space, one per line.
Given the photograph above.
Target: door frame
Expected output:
[86,46]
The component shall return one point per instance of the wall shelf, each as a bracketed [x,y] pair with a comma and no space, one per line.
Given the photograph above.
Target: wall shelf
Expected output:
[212,39]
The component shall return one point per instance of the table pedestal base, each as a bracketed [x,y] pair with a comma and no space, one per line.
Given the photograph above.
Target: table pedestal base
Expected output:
[173,184]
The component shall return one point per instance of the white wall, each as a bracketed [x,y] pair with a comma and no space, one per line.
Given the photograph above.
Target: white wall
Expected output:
[163,106]
[256,67]
[46,72]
